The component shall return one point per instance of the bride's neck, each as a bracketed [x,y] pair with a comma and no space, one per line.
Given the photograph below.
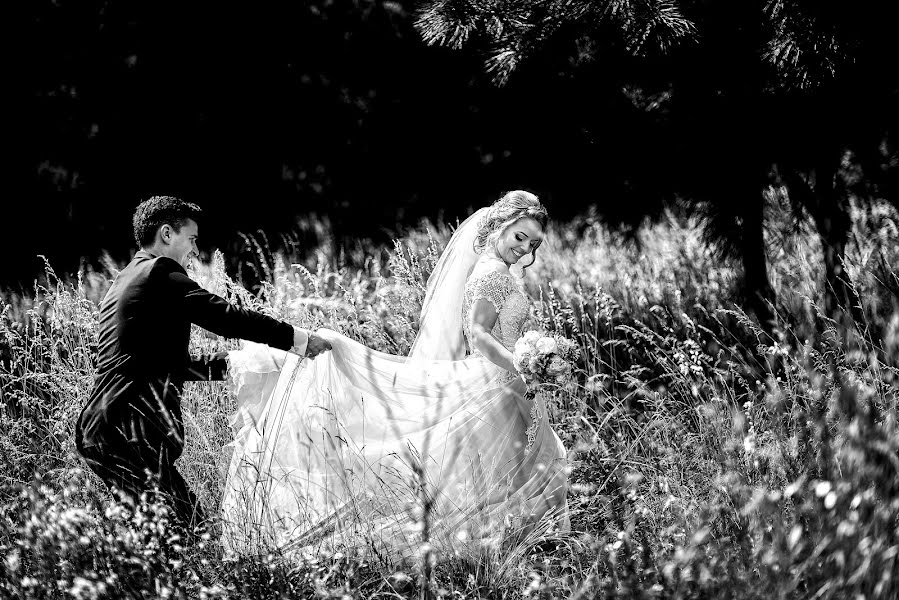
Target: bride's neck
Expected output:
[493,260]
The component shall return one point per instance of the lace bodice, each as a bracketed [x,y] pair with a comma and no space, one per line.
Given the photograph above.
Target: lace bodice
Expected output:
[506,297]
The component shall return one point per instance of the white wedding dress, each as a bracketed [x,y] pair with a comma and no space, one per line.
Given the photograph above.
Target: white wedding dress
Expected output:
[361,448]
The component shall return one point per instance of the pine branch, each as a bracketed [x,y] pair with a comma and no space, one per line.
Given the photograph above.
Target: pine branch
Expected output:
[515,30]
[804,48]
[654,27]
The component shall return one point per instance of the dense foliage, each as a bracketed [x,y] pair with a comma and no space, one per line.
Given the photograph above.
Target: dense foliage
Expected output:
[724,99]
[709,459]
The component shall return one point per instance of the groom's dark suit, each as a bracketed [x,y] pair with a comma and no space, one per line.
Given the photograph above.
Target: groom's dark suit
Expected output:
[132,422]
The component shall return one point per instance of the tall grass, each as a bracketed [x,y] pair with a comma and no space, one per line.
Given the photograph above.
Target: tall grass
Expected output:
[709,458]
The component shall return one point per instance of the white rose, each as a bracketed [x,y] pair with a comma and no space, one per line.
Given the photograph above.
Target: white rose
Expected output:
[547,345]
[531,337]
[522,346]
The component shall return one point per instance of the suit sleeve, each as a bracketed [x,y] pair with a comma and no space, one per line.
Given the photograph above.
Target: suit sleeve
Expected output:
[217,315]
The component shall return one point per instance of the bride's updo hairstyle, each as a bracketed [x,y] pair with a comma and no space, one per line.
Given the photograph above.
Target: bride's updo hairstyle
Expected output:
[513,206]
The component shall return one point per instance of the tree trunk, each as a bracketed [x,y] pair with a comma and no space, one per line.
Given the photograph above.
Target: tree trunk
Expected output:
[829,209]
[759,293]
[834,224]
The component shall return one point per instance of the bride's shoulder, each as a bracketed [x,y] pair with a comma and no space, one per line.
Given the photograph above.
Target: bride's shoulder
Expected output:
[487,266]
[490,271]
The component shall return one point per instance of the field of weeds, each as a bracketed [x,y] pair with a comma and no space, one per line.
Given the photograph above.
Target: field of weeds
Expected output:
[710,457]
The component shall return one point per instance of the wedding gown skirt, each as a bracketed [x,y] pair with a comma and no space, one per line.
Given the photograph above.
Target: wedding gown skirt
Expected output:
[358,447]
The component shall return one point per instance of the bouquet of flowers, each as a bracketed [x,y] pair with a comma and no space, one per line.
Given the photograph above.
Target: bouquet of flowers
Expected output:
[544,358]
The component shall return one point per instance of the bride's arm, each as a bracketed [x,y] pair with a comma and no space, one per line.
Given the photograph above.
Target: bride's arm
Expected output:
[483,318]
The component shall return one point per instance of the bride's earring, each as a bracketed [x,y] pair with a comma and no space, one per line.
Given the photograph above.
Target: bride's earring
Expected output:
[494,253]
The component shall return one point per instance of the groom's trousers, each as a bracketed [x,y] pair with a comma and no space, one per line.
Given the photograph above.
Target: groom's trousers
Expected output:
[134,460]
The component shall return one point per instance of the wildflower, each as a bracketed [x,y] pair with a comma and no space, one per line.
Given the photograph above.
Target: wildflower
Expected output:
[84,588]
[216,591]
[795,535]
[749,443]
[594,383]
[116,511]
[399,580]
[12,561]
[534,585]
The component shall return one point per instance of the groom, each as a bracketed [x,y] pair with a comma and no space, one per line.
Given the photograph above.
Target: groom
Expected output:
[130,431]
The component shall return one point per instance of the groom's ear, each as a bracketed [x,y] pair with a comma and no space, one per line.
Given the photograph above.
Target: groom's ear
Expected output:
[166,232]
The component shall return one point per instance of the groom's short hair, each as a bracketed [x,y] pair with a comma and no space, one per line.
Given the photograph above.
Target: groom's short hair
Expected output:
[152,214]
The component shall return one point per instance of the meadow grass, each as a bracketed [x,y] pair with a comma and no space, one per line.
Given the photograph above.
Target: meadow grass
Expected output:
[710,457]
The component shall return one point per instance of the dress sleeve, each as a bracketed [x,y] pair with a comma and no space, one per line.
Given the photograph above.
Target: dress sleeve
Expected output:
[491,286]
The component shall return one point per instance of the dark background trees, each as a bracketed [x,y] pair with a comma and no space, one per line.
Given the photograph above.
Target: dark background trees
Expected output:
[751,95]
[258,115]
[378,112]
[333,107]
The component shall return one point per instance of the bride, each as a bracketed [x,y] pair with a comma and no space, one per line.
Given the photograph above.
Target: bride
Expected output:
[444,446]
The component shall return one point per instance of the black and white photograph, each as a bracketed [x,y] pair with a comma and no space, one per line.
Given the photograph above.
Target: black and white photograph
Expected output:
[451,299]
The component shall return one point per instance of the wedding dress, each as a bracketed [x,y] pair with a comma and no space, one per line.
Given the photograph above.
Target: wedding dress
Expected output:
[358,447]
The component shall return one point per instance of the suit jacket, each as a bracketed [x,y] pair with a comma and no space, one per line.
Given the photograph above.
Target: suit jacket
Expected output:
[143,359]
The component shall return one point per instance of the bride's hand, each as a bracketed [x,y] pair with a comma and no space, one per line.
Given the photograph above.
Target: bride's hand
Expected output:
[483,318]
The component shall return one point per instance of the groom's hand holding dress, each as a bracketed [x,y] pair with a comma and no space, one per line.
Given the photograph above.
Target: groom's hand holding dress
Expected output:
[305,344]
[315,346]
